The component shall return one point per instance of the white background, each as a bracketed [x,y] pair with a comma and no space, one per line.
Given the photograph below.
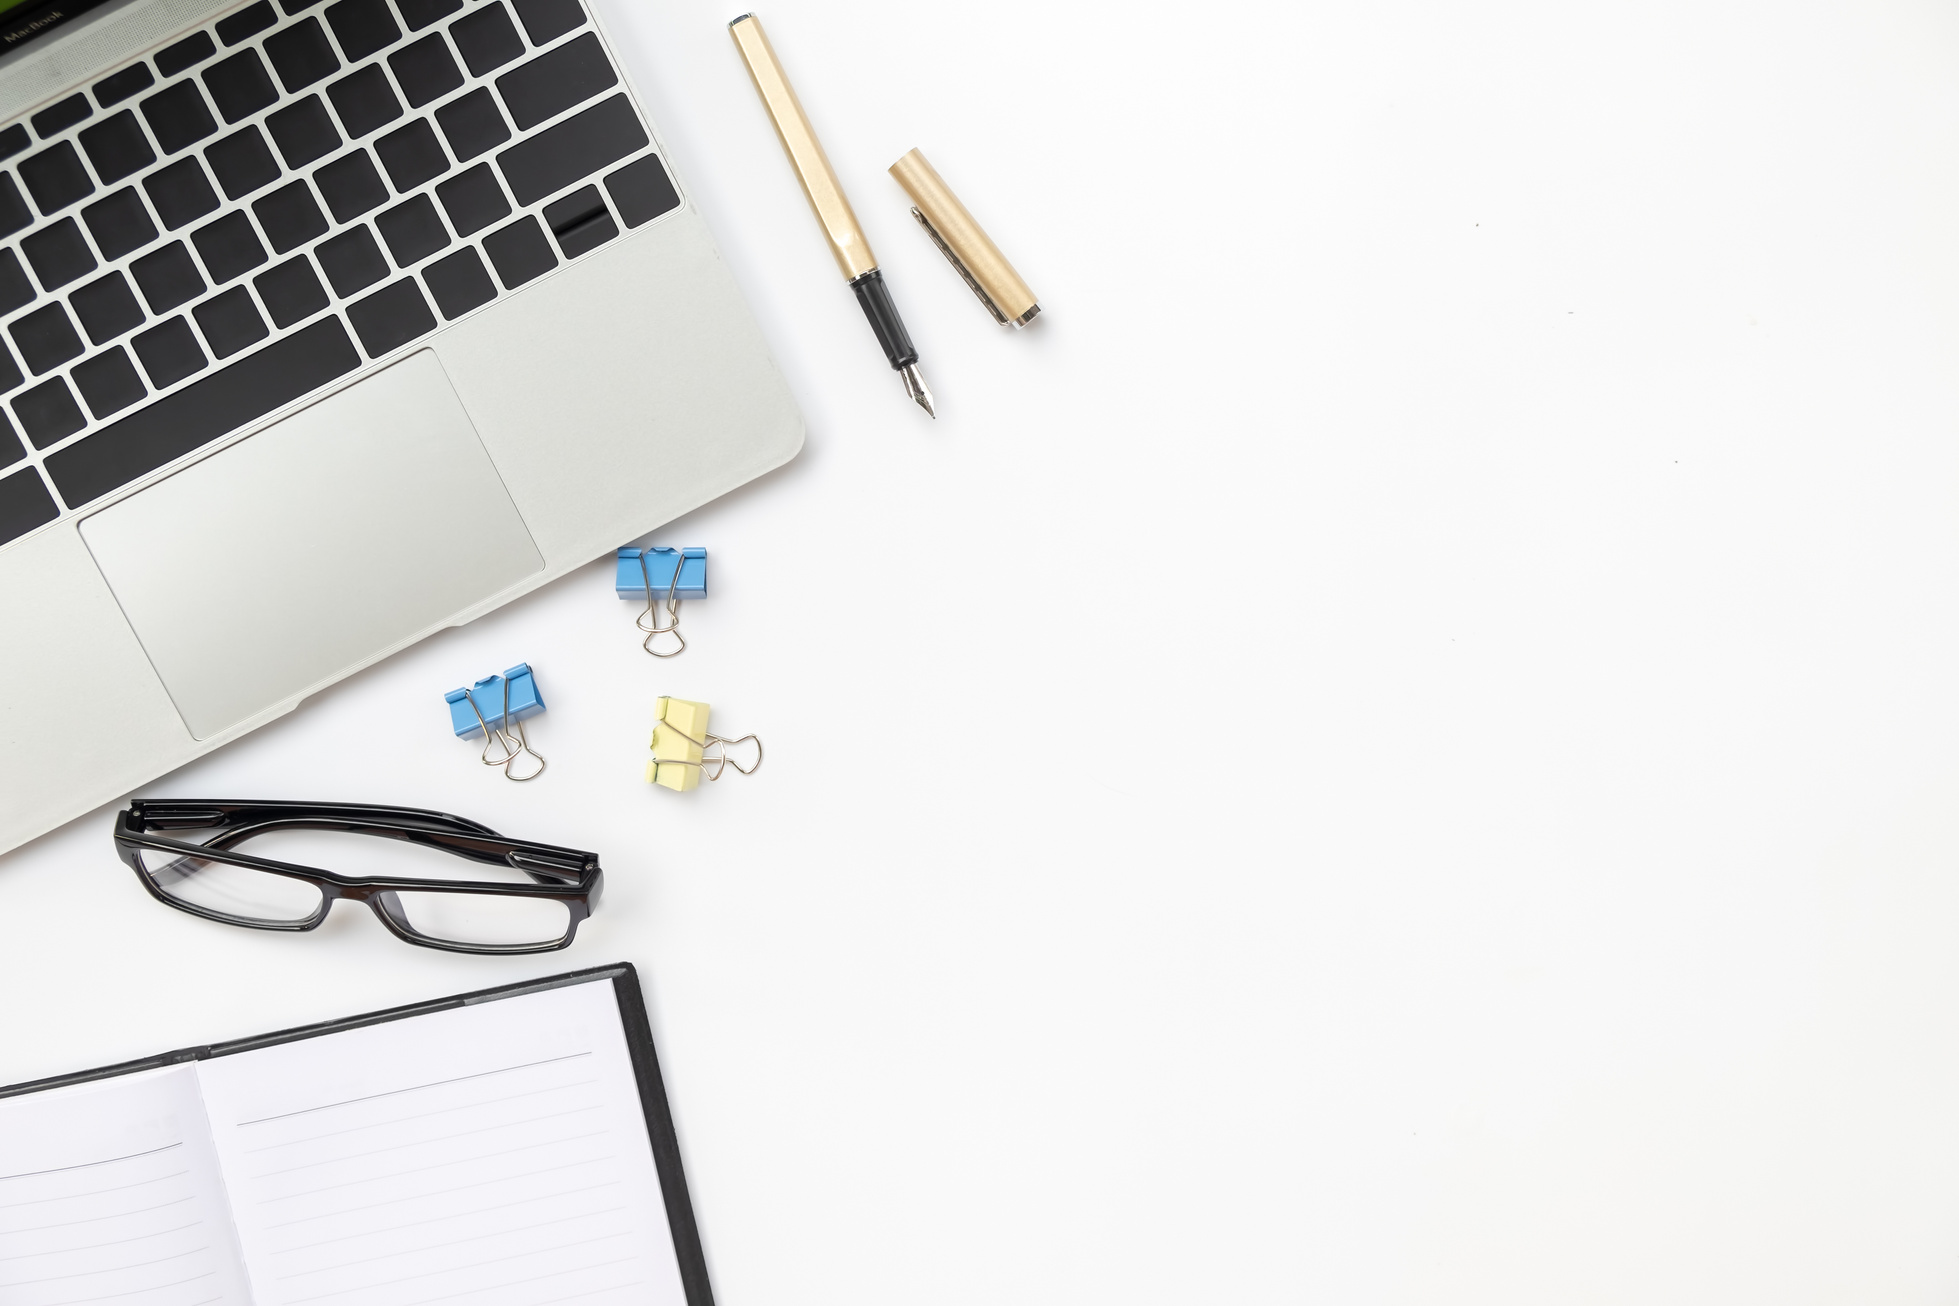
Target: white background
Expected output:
[1399,747]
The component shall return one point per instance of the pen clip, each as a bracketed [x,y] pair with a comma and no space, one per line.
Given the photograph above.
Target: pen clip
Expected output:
[959,267]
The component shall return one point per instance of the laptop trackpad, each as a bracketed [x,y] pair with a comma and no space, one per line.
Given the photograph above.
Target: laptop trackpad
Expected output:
[332,537]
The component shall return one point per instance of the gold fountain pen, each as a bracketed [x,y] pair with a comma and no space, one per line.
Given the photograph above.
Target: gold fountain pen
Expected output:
[832,207]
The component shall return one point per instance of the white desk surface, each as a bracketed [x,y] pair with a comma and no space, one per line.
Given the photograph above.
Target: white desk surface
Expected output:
[1401,747]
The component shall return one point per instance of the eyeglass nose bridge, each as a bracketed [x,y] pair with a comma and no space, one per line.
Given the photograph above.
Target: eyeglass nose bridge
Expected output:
[368,895]
[377,898]
[384,904]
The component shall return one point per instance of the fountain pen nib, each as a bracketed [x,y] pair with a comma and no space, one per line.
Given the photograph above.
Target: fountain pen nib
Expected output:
[915,387]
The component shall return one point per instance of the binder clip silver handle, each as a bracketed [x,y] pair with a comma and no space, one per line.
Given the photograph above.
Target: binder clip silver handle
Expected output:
[649,620]
[711,767]
[513,748]
[721,760]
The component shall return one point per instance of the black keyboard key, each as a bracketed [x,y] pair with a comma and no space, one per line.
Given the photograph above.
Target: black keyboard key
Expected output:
[117,147]
[167,278]
[413,231]
[204,410]
[240,86]
[301,55]
[230,322]
[61,115]
[459,283]
[117,87]
[45,338]
[13,209]
[24,504]
[642,191]
[13,141]
[9,371]
[242,162]
[106,308]
[411,155]
[580,222]
[352,261]
[487,40]
[303,132]
[229,247]
[572,150]
[551,83]
[473,201]
[473,125]
[58,254]
[119,223]
[291,292]
[15,289]
[364,101]
[187,53]
[290,217]
[55,177]
[391,317]
[520,252]
[362,27]
[351,186]
[181,192]
[425,70]
[11,452]
[48,413]
[169,352]
[296,6]
[108,383]
[547,20]
[420,13]
[177,115]
[246,23]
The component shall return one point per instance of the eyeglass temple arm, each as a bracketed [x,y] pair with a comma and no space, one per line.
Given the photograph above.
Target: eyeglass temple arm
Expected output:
[183,814]
[543,863]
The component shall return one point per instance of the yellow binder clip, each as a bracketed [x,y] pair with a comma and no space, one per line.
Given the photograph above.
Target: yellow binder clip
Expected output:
[683,749]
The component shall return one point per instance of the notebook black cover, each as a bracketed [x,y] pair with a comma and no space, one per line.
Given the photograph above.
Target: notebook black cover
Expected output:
[639,1043]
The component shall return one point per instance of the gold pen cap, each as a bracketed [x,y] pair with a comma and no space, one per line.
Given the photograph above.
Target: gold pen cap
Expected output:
[962,241]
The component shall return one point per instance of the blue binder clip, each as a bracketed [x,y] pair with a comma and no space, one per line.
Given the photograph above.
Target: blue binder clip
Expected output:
[682,573]
[509,699]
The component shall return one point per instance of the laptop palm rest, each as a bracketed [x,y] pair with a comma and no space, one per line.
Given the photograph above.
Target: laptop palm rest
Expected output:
[341,533]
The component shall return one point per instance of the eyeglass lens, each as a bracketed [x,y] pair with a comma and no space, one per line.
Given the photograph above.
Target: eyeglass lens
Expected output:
[481,919]
[235,891]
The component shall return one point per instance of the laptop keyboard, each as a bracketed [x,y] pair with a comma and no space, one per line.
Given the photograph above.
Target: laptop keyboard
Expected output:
[272,202]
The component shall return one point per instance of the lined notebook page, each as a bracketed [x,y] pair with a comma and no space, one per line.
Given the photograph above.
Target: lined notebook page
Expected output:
[109,1193]
[495,1155]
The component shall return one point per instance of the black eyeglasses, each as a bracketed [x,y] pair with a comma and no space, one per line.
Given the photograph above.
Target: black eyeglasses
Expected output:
[532,901]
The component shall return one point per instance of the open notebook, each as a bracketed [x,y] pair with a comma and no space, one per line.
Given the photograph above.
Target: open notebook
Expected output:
[505,1148]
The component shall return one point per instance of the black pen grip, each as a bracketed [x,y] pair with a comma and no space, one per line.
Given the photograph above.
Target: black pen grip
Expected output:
[875,299]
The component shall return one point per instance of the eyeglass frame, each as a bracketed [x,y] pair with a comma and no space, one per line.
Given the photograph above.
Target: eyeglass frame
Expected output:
[562,874]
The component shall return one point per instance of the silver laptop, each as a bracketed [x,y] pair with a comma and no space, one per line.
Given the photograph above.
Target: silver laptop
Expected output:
[325,326]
